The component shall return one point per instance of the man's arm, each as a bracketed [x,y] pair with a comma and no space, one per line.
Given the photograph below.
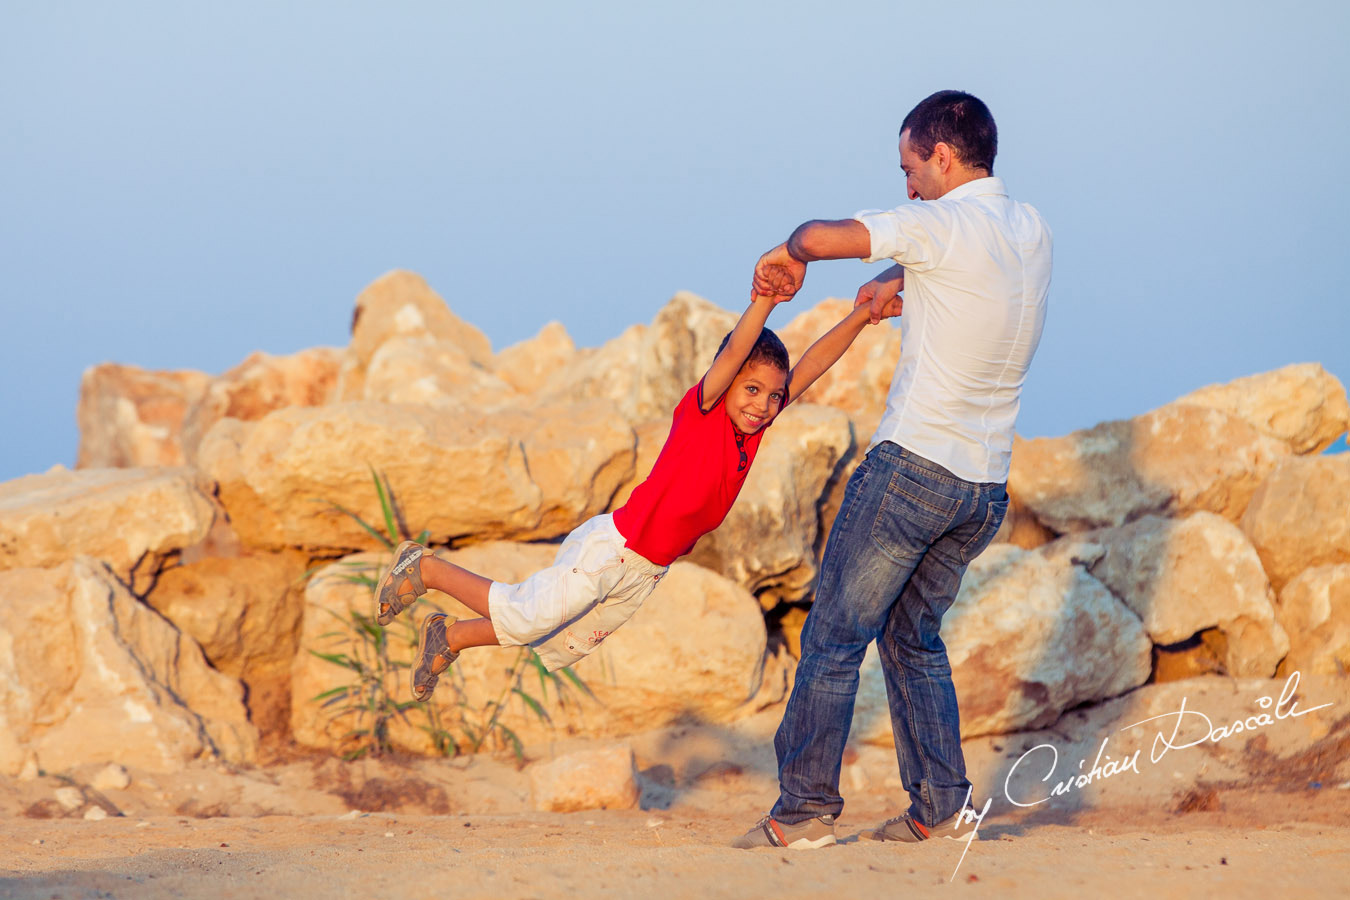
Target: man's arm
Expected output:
[827,349]
[780,272]
[739,344]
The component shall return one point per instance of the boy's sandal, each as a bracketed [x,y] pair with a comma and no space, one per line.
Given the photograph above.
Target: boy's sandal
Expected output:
[433,655]
[401,583]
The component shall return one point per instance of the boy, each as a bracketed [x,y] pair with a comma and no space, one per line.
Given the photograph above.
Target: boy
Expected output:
[609,564]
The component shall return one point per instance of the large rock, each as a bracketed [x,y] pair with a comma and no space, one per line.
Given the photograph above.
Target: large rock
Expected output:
[1315,611]
[1300,516]
[1028,637]
[1182,576]
[470,474]
[1172,461]
[128,518]
[131,417]
[678,347]
[532,364]
[1303,405]
[260,384]
[88,674]
[645,371]
[859,382]
[245,613]
[401,303]
[598,778]
[694,650]
[767,543]
[422,370]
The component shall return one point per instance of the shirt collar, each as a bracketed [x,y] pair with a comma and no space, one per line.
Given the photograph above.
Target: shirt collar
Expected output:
[978,187]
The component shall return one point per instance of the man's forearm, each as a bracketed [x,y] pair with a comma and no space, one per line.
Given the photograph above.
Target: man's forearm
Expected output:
[821,239]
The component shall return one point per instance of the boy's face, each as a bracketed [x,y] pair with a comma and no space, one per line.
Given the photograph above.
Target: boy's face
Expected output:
[755,396]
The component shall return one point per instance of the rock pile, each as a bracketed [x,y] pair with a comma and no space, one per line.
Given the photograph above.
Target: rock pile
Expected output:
[199,585]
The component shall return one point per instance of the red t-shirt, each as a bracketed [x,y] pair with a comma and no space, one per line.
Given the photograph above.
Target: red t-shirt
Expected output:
[693,484]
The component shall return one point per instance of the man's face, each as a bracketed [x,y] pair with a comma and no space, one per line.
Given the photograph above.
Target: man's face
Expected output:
[923,177]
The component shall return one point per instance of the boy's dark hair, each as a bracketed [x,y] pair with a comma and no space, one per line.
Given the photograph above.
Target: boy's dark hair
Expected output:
[957,119]
[768,349]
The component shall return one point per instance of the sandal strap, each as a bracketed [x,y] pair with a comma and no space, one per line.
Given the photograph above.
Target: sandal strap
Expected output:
[414,575]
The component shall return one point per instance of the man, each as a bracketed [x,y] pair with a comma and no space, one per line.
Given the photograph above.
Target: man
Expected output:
[930,494]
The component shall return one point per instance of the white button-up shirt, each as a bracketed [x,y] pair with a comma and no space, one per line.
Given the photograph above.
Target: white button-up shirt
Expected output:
[977,270]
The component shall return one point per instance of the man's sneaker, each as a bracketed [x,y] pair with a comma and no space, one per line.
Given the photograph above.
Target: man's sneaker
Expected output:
[433,655]
[809,835]
[401,584]
[909,829]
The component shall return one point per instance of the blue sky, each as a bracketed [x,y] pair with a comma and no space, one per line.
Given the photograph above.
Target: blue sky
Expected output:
[182,184]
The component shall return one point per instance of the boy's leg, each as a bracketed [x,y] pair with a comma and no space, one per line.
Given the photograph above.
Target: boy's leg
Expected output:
[467,587]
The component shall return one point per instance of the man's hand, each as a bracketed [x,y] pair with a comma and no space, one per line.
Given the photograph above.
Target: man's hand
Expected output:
[883,294]
[778,276]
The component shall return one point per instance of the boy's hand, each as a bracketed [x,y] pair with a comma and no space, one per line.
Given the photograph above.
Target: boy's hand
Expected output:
[778,275]
[882,294]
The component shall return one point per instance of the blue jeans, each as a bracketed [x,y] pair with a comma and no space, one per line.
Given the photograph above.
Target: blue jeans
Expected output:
[905,532]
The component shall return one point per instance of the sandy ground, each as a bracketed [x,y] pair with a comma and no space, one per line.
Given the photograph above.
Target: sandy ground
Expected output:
[1243,817]
[631,853]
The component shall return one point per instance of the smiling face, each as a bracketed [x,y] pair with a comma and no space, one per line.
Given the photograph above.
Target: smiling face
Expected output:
[923,177]
[755,396]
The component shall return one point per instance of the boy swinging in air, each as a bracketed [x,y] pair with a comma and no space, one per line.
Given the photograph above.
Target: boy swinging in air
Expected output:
[610,563]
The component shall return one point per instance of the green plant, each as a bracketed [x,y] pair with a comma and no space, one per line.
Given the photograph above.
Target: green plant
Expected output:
[361,647]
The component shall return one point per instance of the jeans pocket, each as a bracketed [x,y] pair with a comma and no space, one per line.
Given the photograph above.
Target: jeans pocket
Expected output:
[911,517]
[993,518]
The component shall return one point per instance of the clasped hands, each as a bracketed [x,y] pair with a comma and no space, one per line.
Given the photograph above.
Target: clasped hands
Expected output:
[779,276]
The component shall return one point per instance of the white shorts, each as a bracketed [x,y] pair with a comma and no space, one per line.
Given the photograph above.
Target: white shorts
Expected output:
[594,585]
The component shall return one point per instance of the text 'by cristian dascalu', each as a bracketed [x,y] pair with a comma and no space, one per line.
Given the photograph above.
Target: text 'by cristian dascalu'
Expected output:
[1181,729]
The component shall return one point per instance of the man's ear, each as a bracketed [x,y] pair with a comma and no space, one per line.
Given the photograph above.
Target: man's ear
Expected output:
[945,154]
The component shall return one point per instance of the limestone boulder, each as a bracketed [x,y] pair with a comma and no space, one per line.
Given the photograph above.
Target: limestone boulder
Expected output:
[767,543]
[1303,405]
[1183,576]
[651,437]
[532,364]
[1028,637]
[260,384]
[678,347]
[131,417]
[471,474]
[1315,611]
[401,303]
[419,369]
[88,674]
[608,373]
[1300,516]
[1174,460]
[129,518]
[578,456]
[645,371]
[859,382]
[694,650]
[1021,528]
[245,614]
[598,778]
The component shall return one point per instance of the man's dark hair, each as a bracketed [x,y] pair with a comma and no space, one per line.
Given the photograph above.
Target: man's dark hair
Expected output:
[957,119]
[768,349]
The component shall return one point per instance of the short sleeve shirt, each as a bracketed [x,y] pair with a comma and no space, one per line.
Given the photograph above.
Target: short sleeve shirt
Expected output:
[696,479]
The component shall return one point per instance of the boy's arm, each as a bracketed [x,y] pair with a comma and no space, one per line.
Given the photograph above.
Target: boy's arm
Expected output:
[739,345]
[827,349]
